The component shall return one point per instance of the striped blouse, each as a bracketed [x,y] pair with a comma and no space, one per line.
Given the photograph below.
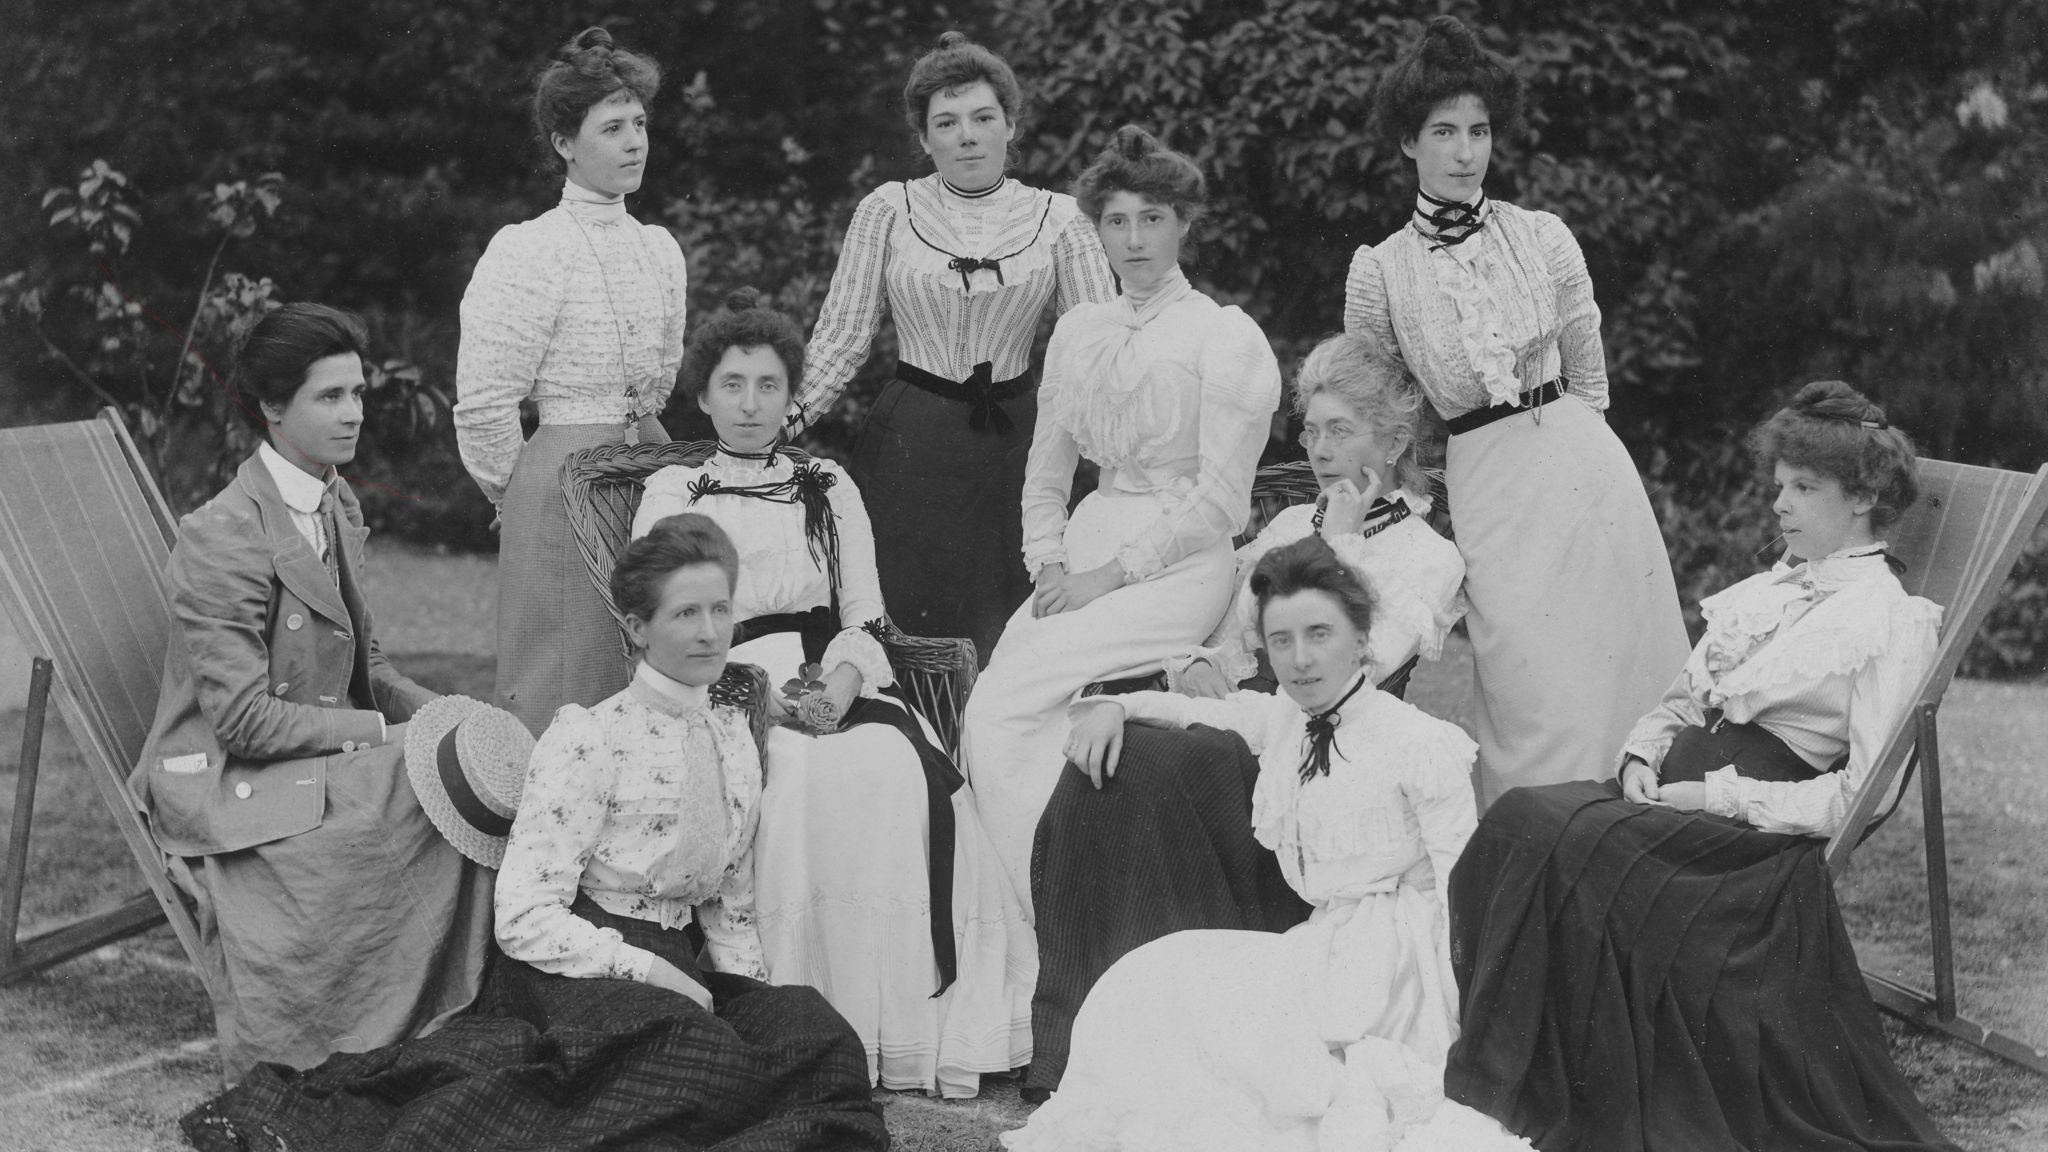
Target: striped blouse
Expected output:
[899,256]
[1481,322]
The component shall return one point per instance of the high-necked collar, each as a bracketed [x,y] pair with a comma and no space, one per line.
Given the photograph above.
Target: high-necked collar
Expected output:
[1355,701]
[302,492]
[729,459]
[961,196]
[1838,569]
[1171,287]
[592,207]
[664,693]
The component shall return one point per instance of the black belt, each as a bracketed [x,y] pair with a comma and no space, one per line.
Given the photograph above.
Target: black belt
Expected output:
[941,778]
[978,389]
[1532,399]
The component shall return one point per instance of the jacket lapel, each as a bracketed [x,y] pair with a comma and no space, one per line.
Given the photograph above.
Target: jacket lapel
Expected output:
[298,566]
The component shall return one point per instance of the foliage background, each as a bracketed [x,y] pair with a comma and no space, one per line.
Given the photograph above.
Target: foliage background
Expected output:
[1766,194]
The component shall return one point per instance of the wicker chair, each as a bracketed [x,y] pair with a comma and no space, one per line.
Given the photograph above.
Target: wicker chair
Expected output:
[602,487]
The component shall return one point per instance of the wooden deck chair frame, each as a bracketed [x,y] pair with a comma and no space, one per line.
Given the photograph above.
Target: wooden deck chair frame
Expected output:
[84,537]
[601,488]
[1959,542]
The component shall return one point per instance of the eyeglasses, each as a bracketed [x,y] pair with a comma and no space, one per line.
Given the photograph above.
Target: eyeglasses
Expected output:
[1340,433]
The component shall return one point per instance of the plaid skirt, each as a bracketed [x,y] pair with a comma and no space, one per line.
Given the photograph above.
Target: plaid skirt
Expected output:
[565,1064]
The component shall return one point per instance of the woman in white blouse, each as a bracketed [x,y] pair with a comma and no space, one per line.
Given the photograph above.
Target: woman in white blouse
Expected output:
[581,311]
[1680,922]
[637,824]
[1574,614]
[1333,1034]
[966,260]
[876,884]
[1166,844]
[1171,394]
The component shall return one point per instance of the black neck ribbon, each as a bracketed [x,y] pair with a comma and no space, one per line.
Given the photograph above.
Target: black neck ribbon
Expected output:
[1322,736]
[806,485]
[1452,223]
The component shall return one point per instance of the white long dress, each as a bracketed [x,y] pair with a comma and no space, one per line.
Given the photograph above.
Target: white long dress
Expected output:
[1172,398]
[1331,1035]
[842,875]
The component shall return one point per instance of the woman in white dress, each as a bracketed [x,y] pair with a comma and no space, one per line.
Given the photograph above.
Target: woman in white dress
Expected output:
[876,884]
[581,311]
[1166,845]
[1171,394]
[1574,614]
[1333,1034]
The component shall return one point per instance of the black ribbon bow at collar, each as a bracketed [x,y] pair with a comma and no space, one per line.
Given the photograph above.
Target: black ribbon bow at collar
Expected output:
[1452,223]
[1322,735]
[966,266]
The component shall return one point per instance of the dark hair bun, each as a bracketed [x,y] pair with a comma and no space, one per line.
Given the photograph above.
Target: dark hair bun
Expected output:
[1448,44]
[951,40]
[1134,143]
[744,299]
[1836,400]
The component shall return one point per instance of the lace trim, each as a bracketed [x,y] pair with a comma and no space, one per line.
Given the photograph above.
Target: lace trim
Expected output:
[1481,326]
[1356,815]
[1836,638]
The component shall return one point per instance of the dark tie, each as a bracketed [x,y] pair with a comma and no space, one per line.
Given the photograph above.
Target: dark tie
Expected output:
[330,531]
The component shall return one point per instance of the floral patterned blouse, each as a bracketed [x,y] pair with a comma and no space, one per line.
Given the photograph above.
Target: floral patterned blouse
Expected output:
[648,803]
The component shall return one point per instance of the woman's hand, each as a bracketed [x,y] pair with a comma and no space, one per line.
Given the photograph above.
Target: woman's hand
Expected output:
[842,686]
[663,974]
[1202,681]
[1639,781]
[1049,586]
[1344,506]
[1095,741]
[1684,795]
[1077,590]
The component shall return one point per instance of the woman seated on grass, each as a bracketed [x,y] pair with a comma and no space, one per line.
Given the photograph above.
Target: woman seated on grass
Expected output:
[1164,842]
[1697,988]
[273,775]
[1330,1035]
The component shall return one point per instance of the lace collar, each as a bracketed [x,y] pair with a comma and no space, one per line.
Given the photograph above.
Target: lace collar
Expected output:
[1836,570]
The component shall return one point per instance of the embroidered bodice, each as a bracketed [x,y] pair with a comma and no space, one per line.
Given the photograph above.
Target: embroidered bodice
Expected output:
[1173,400]
[580,309]
[648,803]
[1824,655]
[1478,323]
[901,257]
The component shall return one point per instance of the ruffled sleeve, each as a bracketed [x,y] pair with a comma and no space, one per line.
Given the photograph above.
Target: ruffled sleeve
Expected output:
[1240,387]
[860,588]
[1892,655]
[1437,780]
[1418,578]
[508,315]
[561,819]
[1582,358]
[853,311]
[1049,469]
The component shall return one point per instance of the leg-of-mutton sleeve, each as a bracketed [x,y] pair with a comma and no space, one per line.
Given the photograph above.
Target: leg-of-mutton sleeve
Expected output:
[860,589]
[853,311]
[1049,472]
[1080,267]
[1240,387]
[1366,312]
[1880,690]
[561,818]
[1581,357]
[508,315]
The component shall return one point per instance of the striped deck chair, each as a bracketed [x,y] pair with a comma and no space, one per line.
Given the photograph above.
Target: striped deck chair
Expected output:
[1959,542]
[84,537]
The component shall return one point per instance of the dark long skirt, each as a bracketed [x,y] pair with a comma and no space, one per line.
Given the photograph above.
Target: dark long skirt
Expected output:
[1165,845]
[557,1063]
[1633,977]
[945,502]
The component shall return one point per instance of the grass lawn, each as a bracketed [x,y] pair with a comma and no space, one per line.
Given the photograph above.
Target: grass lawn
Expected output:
[106,1052]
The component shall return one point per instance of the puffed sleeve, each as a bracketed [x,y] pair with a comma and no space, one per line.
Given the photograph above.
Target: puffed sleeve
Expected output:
[853,310]
[1240,387]
[1437,781]
[731,936]
[860,588]
[1365,301]
[561,818]
[1418,589]
[1880,691]
[675,284]
[1583,360]
[508,316]
[666,493]
[1049,468]
[1081,272]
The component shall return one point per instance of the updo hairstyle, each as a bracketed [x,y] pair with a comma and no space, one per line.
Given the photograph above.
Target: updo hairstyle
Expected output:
[1446,63]
[956,63]
[745,322]
[1311,565]
[1135,161]
[278,350]
[674,543]
[1838,432]
[1354,371]
[586,72]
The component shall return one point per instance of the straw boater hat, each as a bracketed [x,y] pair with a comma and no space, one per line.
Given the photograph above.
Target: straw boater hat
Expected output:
[467,763]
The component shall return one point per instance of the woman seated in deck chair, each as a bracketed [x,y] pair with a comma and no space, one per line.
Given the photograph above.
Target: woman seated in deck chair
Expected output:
[1163,842]
[1658,961]
[273,776]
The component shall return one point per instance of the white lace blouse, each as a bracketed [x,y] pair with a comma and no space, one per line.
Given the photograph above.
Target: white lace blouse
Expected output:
[1399,790]
[581,309]
[648,803]
[1416,577]
[1826,656]
[1481,322]
[1173,399]
[778,573]
[898,258]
